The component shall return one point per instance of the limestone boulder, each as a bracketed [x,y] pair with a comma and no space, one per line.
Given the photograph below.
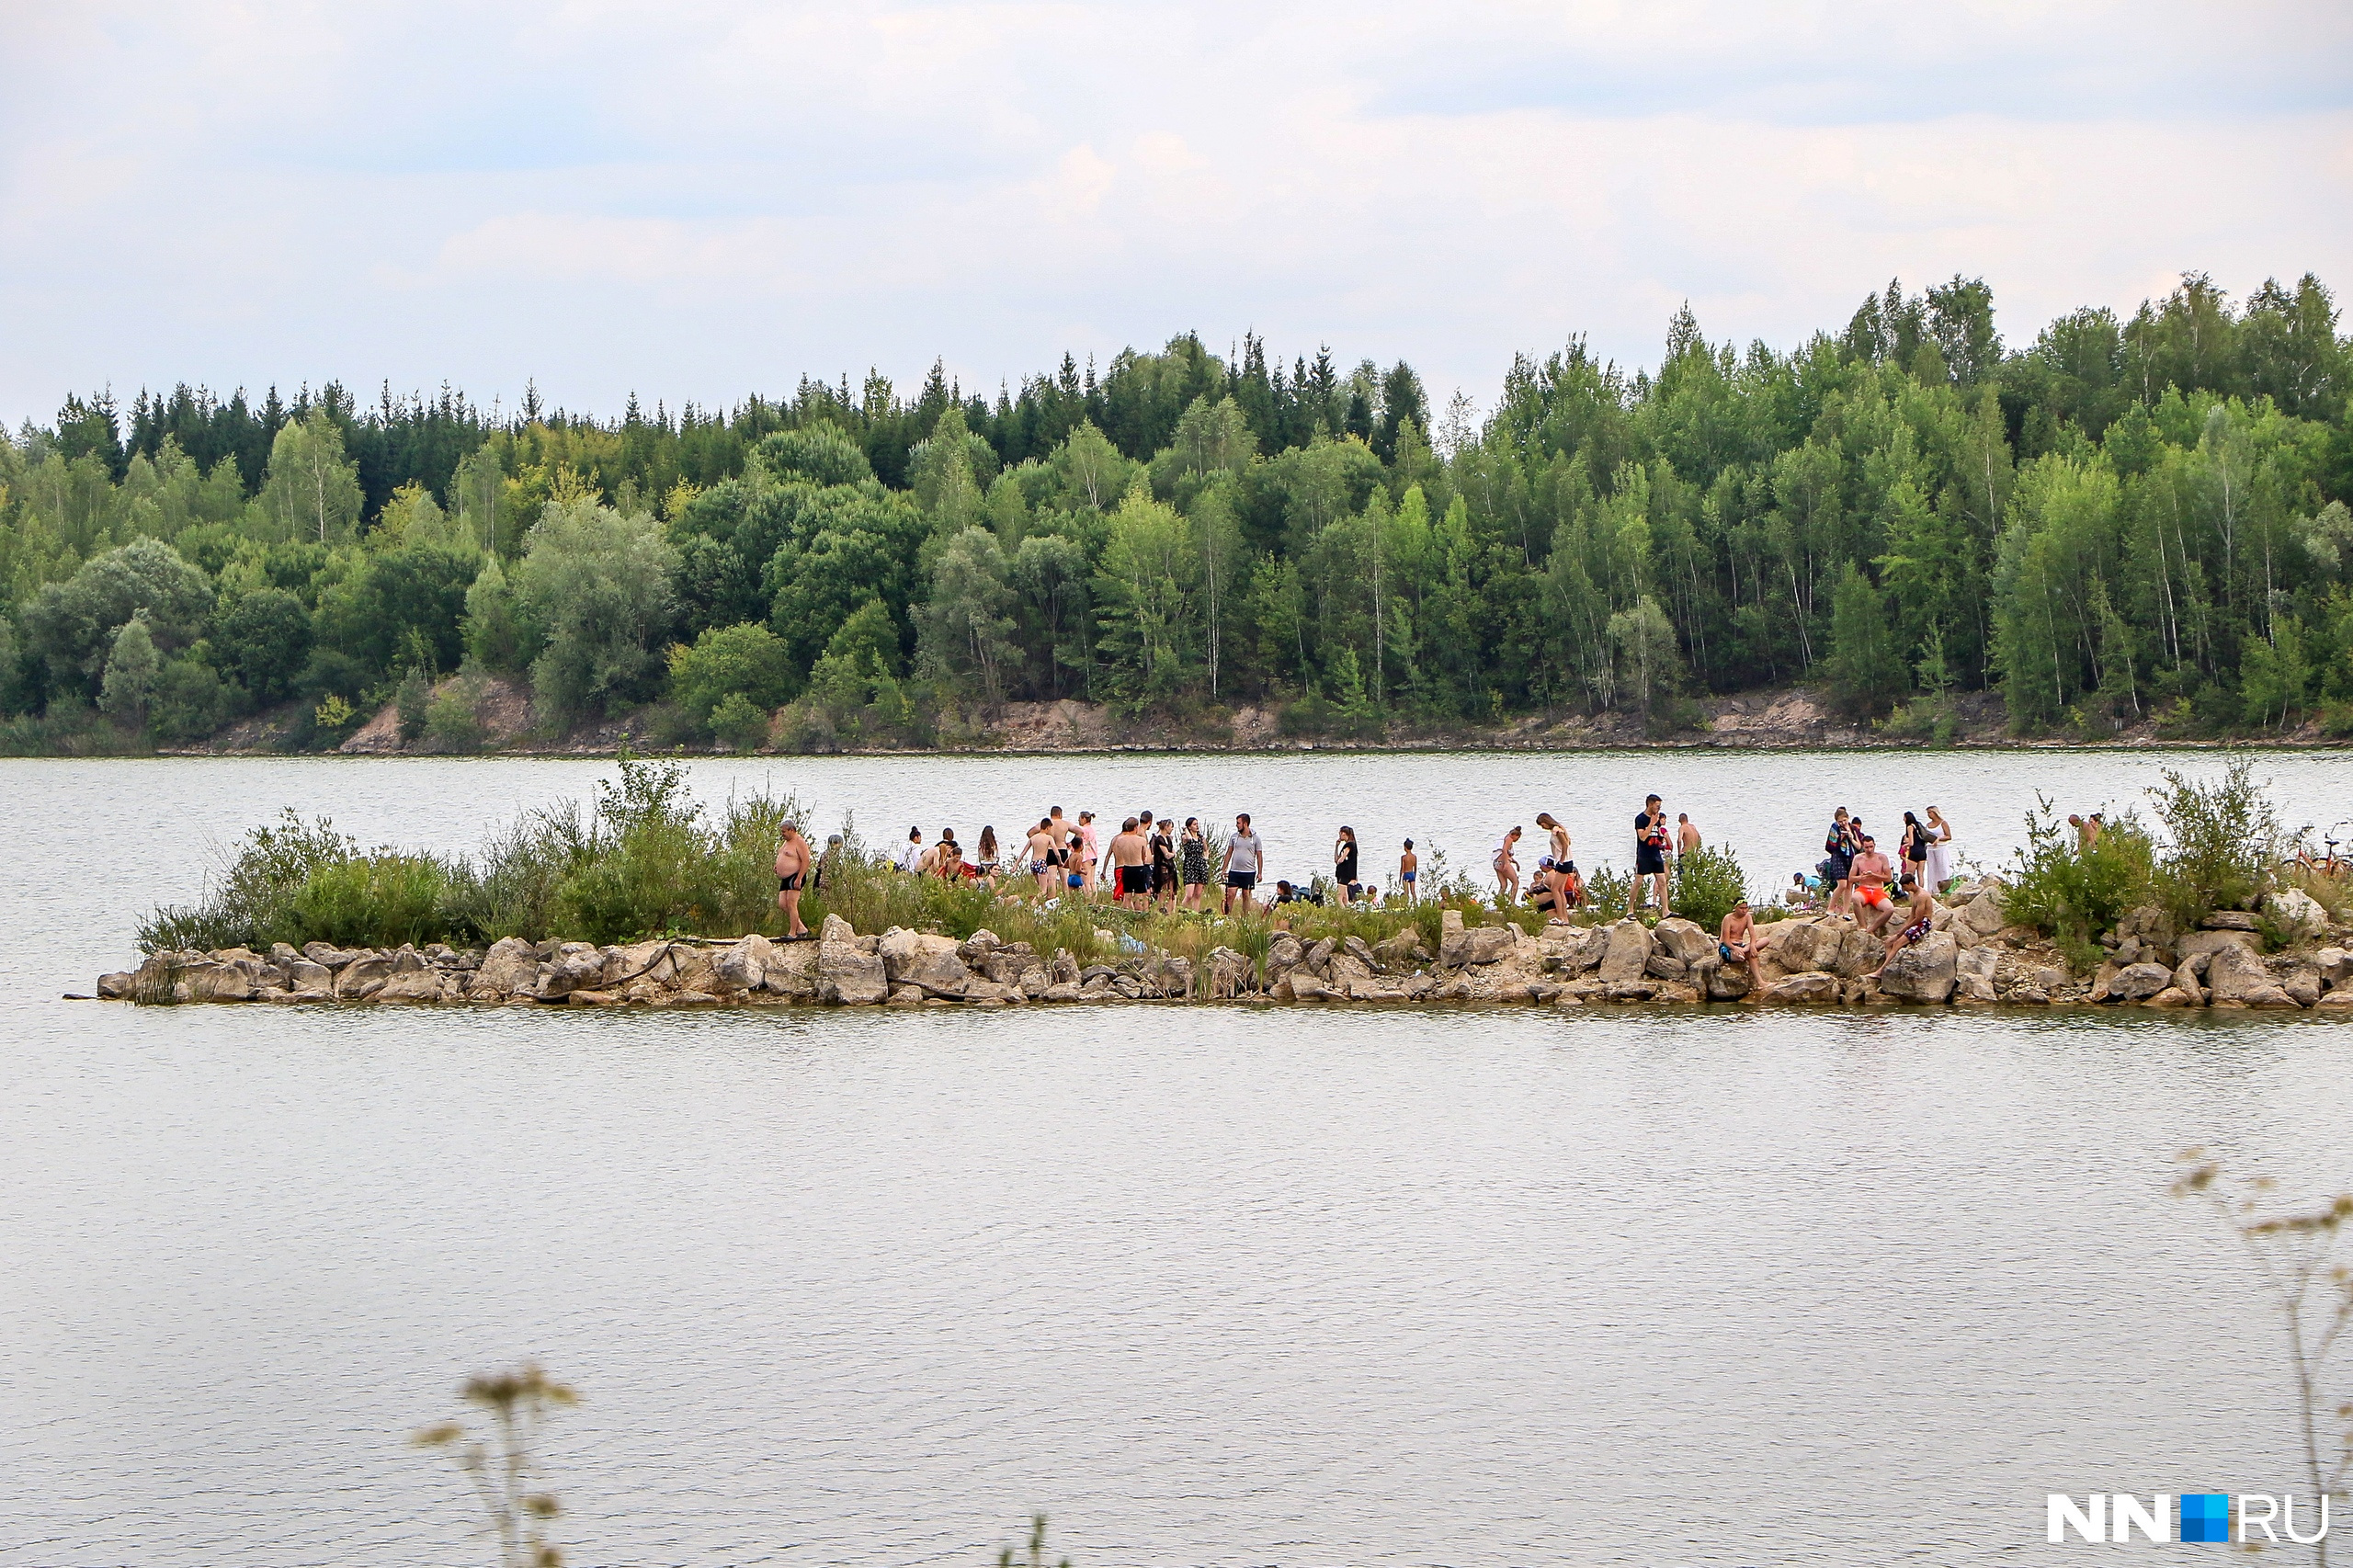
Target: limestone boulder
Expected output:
[2335,967]
[2186,979]
[1787,947]
[2230,920]
[1810,987]
[307,978]
[1401,951]
[790,970]
[836,929]
[1229,973]
[1629,953]
[1302,985]
[2302,982]
[412,985]
[330,956]
[1683,939]
[2237,977]
[2298,912]
[1926,972]
[848,976]
[219,983]
[2172,996]
[1986,913]
[359,979]
[743,965]
[574,966]
[1284,953]
[1972,973]
[509,966]
[2138,981]
[118,986]
[1723,982]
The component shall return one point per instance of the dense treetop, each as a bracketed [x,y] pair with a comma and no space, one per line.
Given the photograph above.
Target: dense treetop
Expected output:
[2122,519]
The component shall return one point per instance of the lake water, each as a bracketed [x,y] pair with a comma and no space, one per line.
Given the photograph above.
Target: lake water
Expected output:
[1208,1286]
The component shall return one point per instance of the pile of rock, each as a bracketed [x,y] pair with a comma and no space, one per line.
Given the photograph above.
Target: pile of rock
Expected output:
[1973,954]
[899,966]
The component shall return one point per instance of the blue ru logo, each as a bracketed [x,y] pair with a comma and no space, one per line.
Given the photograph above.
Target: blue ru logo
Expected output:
[2206,1516]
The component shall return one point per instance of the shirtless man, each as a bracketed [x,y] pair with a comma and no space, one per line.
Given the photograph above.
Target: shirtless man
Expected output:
[1686,837]
[792,863]
[1736,943]
[1042,856]
[1870,876]
[1132,865]
[1918,920]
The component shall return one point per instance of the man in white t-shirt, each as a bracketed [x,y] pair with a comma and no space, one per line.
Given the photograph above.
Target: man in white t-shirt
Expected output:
[1246,857]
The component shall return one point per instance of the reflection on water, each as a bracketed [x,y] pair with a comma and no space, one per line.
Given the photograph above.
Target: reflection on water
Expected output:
[1207,1285]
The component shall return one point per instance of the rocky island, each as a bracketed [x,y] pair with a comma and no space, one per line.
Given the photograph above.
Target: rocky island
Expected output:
[1973,955]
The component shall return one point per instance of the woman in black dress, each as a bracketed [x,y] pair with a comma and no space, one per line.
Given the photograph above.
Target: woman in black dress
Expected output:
[1343,866]
[1916,849]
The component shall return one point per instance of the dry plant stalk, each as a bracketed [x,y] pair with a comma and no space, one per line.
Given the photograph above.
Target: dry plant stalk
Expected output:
[2299,1259]
[500,1465]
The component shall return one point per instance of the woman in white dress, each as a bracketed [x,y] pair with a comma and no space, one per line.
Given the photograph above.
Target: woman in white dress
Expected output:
[1939,849]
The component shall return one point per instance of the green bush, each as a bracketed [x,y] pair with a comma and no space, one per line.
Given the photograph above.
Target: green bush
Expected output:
[739,722]
[1608,892]
[2073,894]
[1707,883]
[190,701]
[381,901]
[453,719]
[747,662]
[249,903]
[413,701]
[2222,844]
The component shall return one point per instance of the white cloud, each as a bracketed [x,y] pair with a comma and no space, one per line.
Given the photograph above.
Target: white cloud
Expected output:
[708,198]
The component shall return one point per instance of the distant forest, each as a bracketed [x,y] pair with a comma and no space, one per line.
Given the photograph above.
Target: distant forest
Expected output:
[2122,521]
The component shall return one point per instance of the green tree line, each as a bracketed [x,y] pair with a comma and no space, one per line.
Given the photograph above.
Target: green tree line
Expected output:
[2126,519]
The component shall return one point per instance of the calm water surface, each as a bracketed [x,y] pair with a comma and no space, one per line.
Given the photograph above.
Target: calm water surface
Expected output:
[1211,1286]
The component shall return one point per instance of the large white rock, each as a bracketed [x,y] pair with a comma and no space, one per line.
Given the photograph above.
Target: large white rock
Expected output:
[2233,974]
[507,968]
[917,958]
[1925,972]
[743,965]
[1684,939]
[1629,953]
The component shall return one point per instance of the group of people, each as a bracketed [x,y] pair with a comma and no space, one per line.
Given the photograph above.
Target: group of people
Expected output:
[1857,878]
[1149,861]
[1557,886]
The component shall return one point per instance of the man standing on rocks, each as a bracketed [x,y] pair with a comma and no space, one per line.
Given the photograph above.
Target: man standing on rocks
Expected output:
[792,862]
[1686,837]
[1650,853]
[1245,855]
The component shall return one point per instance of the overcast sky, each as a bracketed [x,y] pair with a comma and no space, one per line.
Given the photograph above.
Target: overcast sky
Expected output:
[700,198]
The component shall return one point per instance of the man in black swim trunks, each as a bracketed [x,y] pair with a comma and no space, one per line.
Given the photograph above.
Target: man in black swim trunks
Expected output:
[1650,852]
[792,862]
